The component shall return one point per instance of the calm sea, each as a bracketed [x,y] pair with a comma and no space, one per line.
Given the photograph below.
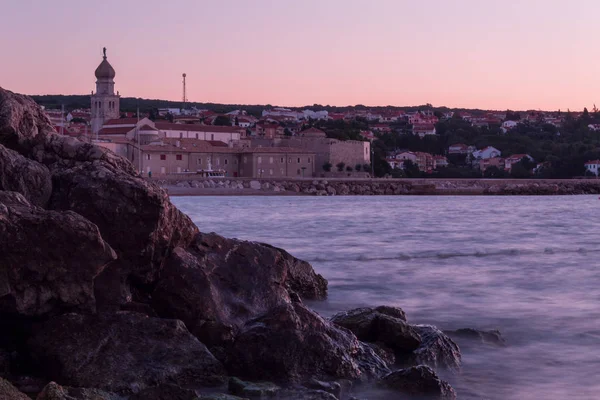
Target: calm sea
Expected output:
[528,266]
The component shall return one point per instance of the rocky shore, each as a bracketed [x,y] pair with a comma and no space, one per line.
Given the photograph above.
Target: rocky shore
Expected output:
[378,187]
[107,291]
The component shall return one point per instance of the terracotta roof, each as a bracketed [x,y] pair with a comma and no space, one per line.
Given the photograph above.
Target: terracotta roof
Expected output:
[121,121]
[593,162]
[167,126]
[147,127]
[121,130]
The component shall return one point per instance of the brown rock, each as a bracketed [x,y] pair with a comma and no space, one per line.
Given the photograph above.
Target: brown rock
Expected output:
[49,259]
[122,352]
[293,344]
[9,392]
[53,391]
[420,382]
[218,284]
[19,174]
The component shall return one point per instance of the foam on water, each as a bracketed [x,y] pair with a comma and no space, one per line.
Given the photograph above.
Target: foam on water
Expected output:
[527,266]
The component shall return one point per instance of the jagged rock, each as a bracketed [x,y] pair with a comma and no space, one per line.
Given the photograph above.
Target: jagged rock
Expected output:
[331,190]
[334,388]
[293,344]
[53,391]
[49,276]
[266,186]
[386,325]
[225,282]
[493,337]
[165,392]
[9,392]
[30,178]
[420,382]
[122,352]
[301,394]
[436,350]
[259,390]
[321,193]
[255,185]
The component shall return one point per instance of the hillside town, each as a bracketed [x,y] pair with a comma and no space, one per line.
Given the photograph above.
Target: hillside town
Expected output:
[336,142]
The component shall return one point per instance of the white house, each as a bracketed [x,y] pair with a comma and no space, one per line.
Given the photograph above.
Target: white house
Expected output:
[487,152]
[593,167]
[460,148]
[515,158]
[509,124]
[423,129]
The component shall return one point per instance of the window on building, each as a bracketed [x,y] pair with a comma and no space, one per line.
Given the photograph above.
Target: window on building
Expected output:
[298,160]
[163,157]
[271,171]
[180,135]
[290,160]
[218,161]
[199,161]
[226,161]
[212,136]
[282,160]
[270,160]
[234,161]
[147,156]
[245,159]
[308,159]
[163,170]
[196,136]
[178,157]
[259,160]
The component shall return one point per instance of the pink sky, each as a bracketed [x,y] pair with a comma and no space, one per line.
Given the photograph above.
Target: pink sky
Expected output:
[519,54]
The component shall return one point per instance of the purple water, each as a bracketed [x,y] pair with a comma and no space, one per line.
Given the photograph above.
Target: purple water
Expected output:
[528,266]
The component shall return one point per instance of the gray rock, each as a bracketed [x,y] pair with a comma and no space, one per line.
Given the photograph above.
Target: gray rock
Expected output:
[54,391]
[122,352]
[255,390]
[420,382]
[386,325]
[266,186]
[28,177]
[331,191]
[436,350]
[493,337]
[9,392]
[255,185]
[52,276]
[166,392]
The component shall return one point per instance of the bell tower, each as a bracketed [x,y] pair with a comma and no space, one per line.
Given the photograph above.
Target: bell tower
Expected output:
[105,103]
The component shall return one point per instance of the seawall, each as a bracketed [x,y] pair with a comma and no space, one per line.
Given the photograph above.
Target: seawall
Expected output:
[191,185]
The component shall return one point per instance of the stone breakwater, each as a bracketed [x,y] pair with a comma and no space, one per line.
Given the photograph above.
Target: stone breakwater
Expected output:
[378,187]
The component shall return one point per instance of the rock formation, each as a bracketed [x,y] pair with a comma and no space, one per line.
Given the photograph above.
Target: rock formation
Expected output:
[111,292]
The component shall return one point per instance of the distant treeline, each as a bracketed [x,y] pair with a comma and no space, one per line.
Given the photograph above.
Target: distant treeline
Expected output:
[130,104]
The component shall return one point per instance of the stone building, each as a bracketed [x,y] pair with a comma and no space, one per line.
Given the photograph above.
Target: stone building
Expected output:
[174,156]
[104,103]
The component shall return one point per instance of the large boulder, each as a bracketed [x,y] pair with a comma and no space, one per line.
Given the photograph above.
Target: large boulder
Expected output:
[49,259]
[122,352]
[294,344]
[385,325]
[135,216]
[9,392]
[20,174]
[436,350]
[420,382]
[217,284]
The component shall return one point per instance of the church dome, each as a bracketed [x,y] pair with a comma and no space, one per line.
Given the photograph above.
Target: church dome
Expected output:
[105,70]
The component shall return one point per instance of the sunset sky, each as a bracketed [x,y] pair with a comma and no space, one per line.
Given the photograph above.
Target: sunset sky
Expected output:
[519,54]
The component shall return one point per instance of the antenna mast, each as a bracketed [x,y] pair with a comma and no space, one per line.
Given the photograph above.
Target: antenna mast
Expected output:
[184,94]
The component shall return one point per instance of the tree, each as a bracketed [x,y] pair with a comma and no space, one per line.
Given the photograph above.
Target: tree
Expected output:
[222,120]
[287,132]
[327,167]
[340,166]
[411,170]
[586,114]
[349,169]
[367,167]
[494,172]
[169,117]
[358,167]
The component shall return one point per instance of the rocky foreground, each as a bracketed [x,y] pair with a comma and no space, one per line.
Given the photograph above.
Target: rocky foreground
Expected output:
[107,291]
